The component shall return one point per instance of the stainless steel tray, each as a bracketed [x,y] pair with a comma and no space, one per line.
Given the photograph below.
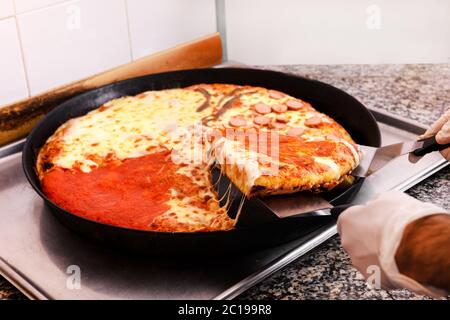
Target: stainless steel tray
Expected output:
[36,251]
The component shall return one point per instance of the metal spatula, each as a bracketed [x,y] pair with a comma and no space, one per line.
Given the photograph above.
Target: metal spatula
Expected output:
[309,204]
[374,159]
[301,204]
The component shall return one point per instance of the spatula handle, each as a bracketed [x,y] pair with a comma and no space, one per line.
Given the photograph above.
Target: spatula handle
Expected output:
[429,145]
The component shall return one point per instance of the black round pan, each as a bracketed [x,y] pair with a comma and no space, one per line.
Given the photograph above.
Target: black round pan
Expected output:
[247,236]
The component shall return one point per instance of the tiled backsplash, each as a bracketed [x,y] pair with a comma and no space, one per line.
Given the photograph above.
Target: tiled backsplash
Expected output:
[6,8]
[12,74]
[28,5]
[156,27]
[338,32]
[59,50]
[46,43]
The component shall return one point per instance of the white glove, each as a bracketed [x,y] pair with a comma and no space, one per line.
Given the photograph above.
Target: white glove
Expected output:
[441,128]
[372,233]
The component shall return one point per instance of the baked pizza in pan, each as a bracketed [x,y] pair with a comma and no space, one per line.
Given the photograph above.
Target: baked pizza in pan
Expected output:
[144,162]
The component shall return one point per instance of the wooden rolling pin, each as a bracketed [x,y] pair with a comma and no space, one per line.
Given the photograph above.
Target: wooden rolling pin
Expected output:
[17,119]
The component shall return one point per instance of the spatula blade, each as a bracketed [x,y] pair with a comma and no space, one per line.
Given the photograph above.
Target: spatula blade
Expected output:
[288,205]
[373,159]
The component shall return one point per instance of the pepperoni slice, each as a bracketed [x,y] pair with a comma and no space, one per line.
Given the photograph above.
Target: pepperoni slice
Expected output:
[261,120]
[279,108]
[282,118]
[263,108]
[294,105]
[276,94]
[313,121]
[295,132]
[277,125]
[237,122]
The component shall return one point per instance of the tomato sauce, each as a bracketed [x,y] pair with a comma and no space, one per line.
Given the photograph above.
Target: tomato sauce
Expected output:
[128,194]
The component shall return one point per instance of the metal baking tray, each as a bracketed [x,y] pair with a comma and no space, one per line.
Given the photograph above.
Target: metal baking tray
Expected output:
[37,253]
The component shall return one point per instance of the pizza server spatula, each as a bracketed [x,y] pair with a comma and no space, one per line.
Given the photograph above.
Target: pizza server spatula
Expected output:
[373,159]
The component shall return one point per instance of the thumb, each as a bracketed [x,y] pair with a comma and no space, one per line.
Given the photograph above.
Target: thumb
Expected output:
[437,126]
[443,136]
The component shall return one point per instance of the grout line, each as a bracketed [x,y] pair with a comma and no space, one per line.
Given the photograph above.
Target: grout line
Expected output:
[221,27]
[12,15]
[129,30]
[42,7]
[22,53]
[7,17]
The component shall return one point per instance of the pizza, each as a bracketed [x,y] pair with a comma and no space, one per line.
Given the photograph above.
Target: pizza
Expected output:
[311,151]
[144,162]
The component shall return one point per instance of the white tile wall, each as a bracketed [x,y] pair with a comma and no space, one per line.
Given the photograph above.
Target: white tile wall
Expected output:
[112,32]
[28,5]
[329,31]
[12,77]
[73,40]
[6,8]
[157,25]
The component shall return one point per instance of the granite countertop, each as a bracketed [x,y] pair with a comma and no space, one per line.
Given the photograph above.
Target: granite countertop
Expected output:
[417,92]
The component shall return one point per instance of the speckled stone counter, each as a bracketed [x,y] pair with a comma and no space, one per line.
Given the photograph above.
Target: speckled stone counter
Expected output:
[418,92]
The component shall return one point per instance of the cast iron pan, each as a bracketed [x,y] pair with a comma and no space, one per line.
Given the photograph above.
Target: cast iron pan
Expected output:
[248,235]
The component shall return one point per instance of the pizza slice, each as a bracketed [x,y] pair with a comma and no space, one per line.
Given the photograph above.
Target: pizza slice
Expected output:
[272,143]
[264,163]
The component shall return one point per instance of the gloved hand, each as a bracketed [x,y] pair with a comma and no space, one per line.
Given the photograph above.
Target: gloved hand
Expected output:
[441,128]
[372,233]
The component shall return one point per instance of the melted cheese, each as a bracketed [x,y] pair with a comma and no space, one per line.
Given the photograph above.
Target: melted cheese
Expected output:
[330,163]
[189,214]
[128,127]
[245,162]
[354,152]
